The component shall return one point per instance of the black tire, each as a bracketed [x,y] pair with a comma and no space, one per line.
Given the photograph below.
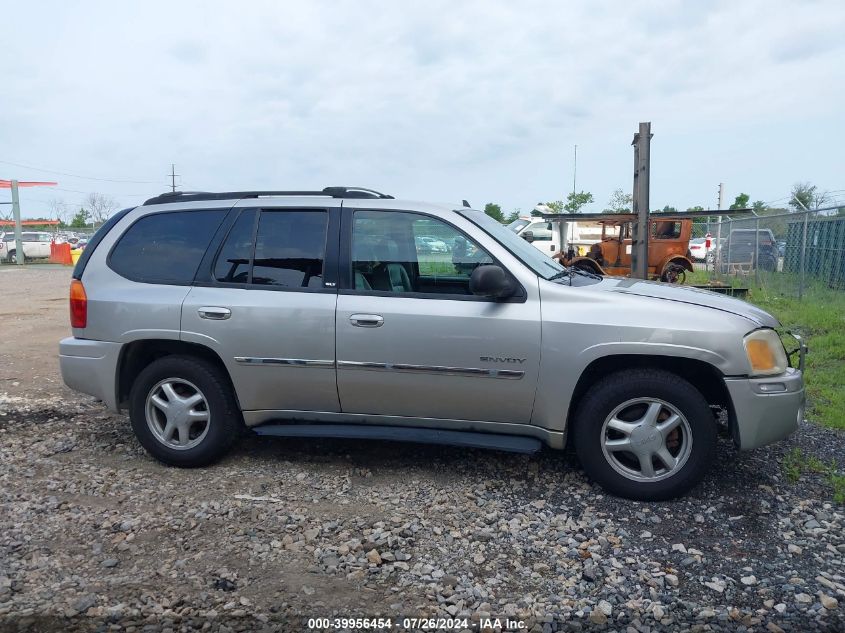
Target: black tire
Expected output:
[225,421]
[621,387]
[769,263]
[674,274]
[11,257]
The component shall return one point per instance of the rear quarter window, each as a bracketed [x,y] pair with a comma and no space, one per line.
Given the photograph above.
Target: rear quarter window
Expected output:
[165,248]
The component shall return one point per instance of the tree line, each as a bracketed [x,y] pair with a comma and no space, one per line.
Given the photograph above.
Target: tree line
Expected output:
[803,195]
[95,209]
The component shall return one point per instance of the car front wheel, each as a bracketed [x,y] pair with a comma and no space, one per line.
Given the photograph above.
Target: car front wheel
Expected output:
[183,411]
[645,434]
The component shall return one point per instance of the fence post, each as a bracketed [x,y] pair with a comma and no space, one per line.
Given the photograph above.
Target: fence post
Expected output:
[803,266]
[757,252]
[717,261]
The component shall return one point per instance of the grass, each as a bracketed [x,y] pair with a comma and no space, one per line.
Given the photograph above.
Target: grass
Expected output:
[796,464]
[819,317]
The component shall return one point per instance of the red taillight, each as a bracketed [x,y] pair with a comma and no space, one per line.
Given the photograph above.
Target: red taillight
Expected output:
[78,305]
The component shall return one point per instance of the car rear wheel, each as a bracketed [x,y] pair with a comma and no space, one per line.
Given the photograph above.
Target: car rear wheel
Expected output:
[644,434]
[183,411]
[674,274]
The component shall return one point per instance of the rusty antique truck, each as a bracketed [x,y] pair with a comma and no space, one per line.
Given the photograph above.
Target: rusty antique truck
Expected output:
[668,248]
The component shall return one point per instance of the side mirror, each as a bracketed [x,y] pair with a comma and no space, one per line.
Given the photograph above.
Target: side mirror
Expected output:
[491,281]
[528,236]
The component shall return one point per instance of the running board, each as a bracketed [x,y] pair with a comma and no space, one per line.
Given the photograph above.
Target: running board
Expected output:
[419,435]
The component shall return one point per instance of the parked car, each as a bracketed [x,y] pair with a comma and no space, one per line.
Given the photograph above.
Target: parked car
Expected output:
[740,249]
[36,245]
[700,252]
[311,315]
[431,244]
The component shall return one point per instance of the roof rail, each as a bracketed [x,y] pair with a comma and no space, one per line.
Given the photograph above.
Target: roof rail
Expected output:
[332,192]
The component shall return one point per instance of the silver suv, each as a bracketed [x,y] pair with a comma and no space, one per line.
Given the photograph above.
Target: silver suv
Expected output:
[320,314]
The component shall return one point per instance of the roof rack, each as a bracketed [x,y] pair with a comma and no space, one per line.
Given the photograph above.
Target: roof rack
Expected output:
[332,192]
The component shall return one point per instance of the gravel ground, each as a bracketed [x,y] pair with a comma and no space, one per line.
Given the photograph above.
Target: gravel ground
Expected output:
[95,535]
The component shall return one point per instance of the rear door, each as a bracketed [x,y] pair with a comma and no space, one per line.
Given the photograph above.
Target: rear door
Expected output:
[44,241]
[265,302]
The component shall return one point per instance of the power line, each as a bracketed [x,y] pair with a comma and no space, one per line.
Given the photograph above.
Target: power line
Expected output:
[128,195]
[63,173]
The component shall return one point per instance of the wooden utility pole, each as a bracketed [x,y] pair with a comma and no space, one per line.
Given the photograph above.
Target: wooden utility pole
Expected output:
[642,167]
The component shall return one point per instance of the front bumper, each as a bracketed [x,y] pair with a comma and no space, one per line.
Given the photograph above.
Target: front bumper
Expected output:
[91,367]
[766,410]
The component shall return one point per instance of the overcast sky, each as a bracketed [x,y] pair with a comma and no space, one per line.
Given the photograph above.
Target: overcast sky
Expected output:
[424,100]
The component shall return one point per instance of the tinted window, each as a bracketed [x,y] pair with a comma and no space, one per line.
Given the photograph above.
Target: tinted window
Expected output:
[233,261]
[289,249]
[165,247]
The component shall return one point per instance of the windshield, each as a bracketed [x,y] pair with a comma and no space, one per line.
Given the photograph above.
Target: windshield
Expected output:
[544,266]
[517,225]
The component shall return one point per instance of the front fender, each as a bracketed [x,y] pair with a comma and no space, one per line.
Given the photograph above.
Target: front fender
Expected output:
[590,354]
[680,260]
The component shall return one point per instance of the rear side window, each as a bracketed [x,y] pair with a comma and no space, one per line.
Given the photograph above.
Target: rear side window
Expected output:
[165,247]
[233,262]
[288,251]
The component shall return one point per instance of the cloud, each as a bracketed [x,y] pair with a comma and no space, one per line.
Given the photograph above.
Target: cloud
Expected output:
[429,100]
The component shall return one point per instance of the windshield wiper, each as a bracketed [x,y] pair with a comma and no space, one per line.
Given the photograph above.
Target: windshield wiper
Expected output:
[573,270]
[585,273]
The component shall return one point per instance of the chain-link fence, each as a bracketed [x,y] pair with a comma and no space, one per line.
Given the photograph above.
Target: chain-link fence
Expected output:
[786,252]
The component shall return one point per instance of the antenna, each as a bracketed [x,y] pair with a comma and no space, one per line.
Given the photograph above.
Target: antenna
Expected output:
[173,175]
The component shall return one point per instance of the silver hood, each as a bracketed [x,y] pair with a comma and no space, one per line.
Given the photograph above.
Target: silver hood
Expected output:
[685,294]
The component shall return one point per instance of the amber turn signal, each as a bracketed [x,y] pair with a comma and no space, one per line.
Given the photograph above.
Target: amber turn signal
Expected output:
[760,355]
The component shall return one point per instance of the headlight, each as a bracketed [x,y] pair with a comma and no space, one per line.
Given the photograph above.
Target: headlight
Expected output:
[765,353]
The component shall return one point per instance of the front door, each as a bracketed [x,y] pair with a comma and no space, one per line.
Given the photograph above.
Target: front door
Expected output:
[412,341]
[268,309]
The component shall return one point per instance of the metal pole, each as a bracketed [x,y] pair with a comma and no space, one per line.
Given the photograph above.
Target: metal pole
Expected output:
[757,252]
[803,263]
[16,212]
[642,166]
[574,169]
[717,261]
[803,256]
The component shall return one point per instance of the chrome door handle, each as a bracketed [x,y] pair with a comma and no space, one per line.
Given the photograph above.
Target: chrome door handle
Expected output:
[366,320]
[214,313]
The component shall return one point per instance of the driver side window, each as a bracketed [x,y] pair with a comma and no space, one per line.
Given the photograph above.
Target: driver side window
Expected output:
[411,253]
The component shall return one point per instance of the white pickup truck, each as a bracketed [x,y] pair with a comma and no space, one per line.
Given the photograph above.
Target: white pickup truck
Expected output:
[36,245]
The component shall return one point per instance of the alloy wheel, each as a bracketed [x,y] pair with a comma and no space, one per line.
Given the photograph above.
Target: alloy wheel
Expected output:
[177,413]
[646,439]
